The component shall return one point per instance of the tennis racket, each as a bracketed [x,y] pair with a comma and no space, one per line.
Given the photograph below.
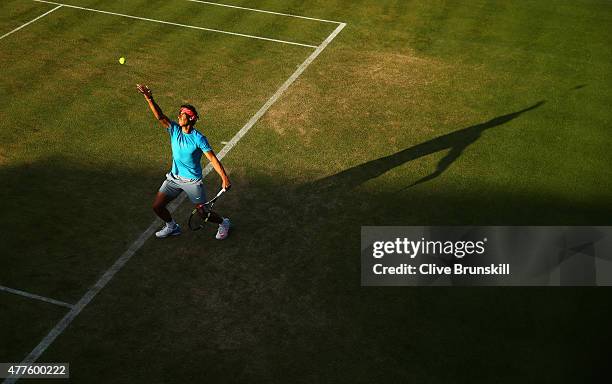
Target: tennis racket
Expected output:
[200,214]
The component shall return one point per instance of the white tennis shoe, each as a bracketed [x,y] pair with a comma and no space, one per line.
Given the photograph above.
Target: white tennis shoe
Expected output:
[223,230]
[168,231]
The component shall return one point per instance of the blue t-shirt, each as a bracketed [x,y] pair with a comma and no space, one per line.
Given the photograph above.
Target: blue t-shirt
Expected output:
[187,150]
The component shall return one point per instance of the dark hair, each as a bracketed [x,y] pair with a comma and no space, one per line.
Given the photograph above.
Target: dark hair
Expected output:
[192,109]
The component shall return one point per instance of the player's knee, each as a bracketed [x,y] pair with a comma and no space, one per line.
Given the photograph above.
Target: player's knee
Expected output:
[158,206]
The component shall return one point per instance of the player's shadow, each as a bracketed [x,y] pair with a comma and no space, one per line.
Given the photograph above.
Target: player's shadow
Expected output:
[456,141]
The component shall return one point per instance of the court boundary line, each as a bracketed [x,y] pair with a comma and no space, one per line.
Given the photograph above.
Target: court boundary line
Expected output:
[90,294]
[30,22]
[179,25]
[266,11]
[35,296]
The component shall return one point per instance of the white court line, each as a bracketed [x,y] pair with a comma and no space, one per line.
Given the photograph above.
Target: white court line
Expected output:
[281,90]
[179,25]
[264,11]
[29,22]
[33,296]
[136,245]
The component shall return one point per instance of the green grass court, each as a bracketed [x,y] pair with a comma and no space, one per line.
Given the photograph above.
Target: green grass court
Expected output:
[418,112]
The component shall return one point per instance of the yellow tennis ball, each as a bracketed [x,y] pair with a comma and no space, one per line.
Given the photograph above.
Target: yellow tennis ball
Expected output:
[122,60]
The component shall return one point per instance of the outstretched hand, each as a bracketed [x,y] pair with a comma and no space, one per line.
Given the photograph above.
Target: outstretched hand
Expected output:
[146,91]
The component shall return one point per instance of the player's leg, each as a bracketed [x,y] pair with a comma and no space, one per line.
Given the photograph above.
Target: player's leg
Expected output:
[209,215]
[213,217]
[167,192]
[159,206]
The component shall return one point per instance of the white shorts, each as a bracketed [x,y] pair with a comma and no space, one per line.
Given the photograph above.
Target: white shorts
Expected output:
[174,184]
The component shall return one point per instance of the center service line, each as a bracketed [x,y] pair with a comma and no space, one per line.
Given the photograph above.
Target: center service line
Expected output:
[61,326]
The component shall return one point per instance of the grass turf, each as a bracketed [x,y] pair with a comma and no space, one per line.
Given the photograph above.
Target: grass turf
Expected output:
[404,86]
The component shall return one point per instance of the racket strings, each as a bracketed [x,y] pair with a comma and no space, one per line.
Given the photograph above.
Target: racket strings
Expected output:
[202,212]
[200,216]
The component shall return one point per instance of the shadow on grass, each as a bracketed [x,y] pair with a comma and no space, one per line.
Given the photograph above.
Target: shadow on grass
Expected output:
[456,141]
[279,301]
[64,222]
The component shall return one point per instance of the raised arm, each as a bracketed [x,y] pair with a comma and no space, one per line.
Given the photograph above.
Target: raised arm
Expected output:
[157,112]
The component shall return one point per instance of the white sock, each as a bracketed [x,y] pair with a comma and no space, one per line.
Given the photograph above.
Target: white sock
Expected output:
[171,224]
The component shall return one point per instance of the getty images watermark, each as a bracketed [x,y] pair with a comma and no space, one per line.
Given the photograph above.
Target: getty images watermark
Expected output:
[486,256]
[412,249]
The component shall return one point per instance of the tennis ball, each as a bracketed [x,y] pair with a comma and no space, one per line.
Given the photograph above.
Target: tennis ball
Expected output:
[122,60]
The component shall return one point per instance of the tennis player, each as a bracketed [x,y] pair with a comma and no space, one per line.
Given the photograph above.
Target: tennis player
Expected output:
[188,145]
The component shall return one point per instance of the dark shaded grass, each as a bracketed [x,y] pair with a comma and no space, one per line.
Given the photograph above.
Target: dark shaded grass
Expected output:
[68,231]
[24,320]
[273,304]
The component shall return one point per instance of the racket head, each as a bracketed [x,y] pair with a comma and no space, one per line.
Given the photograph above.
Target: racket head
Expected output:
[199,215]
[196,220]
